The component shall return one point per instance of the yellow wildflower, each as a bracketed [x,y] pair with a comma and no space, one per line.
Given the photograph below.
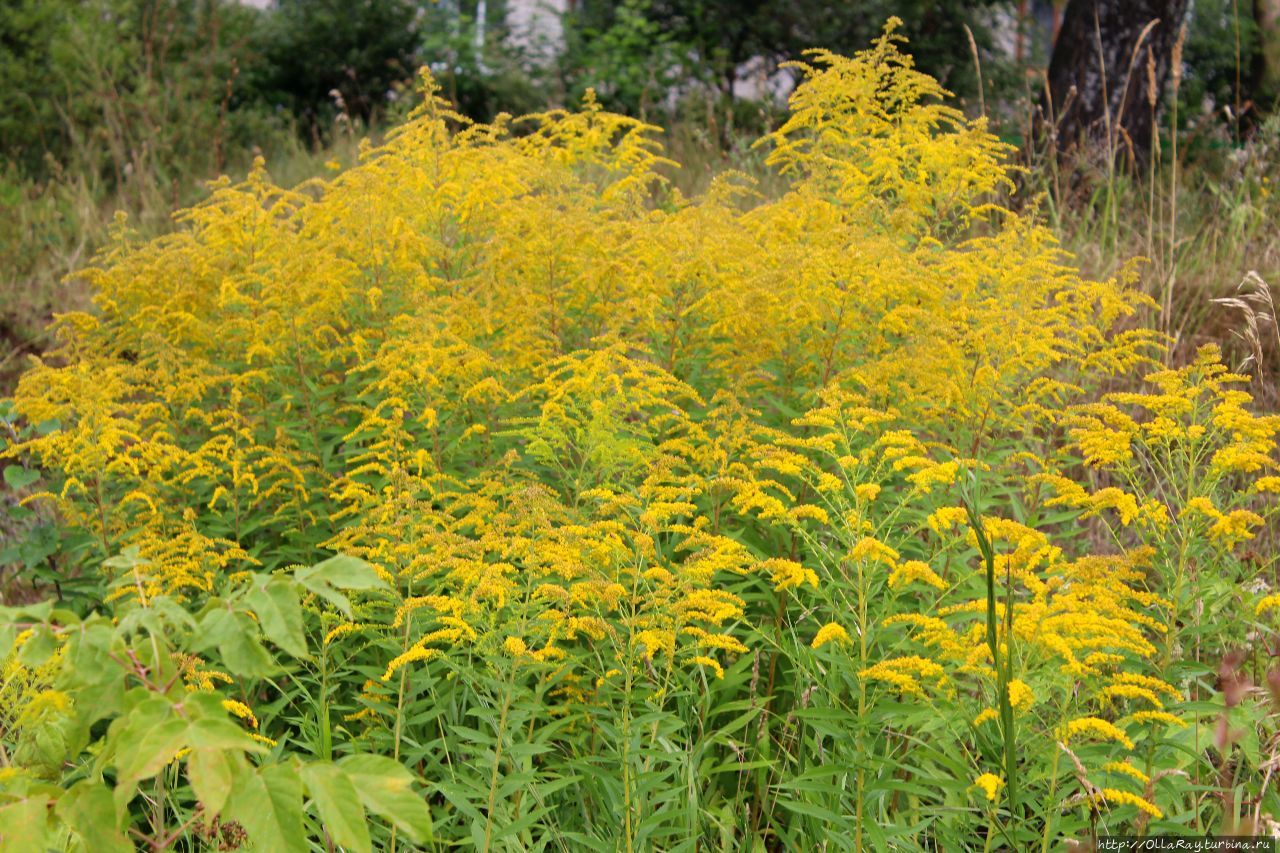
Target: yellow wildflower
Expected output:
[1021,696]
[1157,717]
[1093,727]
[788,574]
[1126,769]
[417,653]
[830,632]
[867,491]
[914,570]
[241,710]
[1115,797]
[702,660]
[872,549]
[990,785]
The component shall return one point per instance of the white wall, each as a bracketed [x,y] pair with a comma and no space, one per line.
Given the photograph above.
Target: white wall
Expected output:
[535,26]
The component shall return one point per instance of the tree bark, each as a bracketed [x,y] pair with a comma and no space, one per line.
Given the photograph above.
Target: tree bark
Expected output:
[1267,15]
[1107,56]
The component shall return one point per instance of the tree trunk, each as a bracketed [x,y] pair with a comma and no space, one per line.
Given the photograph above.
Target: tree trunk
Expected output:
[1106,58]
[1267,14]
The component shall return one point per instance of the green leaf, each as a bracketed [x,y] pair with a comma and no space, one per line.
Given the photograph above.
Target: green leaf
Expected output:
[90,812]
[340,572]
[129,558]
[236,636]
[246,656]
[813,810]
[338,802]
[38,648]
[280,614]
[386,789]
[24,825]
[343,572]
[19,477]
[212,772]
[268,804]
[38,612]
[221,734]
[212,726]
[217,626]
[144,751]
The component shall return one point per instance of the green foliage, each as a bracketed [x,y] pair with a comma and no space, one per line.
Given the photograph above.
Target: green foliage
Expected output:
[110,104]
[482,68]
[723,34]
[136,93]
[658,502]
[29,123]
[316,48]
[29,537]
[1224,64]
[113,735]
[628,57]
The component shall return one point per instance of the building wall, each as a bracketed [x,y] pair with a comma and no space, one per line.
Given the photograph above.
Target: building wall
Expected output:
[535,26]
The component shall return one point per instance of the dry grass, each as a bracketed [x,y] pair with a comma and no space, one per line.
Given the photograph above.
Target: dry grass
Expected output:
[1202,225]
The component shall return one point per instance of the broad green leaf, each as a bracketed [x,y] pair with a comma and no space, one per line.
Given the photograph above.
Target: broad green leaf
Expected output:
[215,627]
[39,612]
[338,802]
[221,734]
[24,824]
[89,810]
[340,572]
[386,789]
[174,613]
[343,572]
[19,477]
[98,701]
[129,558]
[243,653]
[88,653]
[212,773]
[212,727]
[38,648]
[280,614]
[340,602]
[143,752]
[268,804]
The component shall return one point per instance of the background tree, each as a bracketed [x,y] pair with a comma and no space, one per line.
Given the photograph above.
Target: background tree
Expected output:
[1267,15]
[1107,56]
[623,53]
[725,34]
[484,70]
[358,49]
[116,88]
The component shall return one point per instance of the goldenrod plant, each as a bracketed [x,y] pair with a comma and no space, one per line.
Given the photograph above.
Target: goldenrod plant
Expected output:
[838,520]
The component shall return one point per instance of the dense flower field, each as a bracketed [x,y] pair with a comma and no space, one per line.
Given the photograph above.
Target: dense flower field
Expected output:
[853,518]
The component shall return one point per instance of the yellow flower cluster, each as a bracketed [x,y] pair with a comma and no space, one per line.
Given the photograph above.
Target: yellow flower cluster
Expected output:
[1116,797]
[831,632]
[1094,727]
[990,784]
[592,431]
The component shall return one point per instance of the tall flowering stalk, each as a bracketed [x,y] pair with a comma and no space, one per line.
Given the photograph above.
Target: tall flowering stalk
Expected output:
[1001,653]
